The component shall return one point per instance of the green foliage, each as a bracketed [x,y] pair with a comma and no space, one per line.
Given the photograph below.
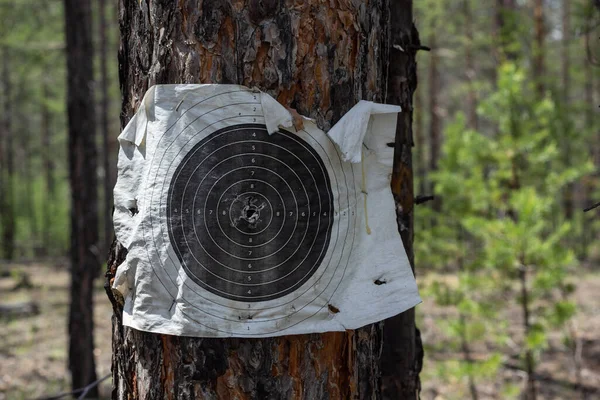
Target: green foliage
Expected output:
[497,218]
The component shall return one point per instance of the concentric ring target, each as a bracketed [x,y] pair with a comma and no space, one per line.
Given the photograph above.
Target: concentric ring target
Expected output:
[249,214]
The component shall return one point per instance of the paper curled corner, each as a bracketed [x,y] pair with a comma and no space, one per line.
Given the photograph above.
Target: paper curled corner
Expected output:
[135,131]
[350,131]
[275,114]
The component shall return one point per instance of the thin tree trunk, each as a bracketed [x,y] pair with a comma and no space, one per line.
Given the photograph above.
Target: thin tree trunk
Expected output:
[504,30]
[84,213]
[470,67]
[311,56]
[26,195]
[104,105]
[420,142]
[531,392]
[462,318]
[539,48]
[48,164]
[434,114]
[402,357]
[8,212]
[570,192]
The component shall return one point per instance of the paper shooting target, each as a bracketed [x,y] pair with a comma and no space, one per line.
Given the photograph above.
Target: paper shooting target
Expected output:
[250,214]
[238,232]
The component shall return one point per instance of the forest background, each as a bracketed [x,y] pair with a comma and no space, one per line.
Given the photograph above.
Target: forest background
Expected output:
[507,140]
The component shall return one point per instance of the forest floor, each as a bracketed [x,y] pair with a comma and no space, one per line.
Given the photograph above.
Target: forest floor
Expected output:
[33,349]
[555,371]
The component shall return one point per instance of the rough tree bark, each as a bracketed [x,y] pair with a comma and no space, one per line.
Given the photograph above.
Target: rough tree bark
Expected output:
[402,348]
[82,170]
[320,59]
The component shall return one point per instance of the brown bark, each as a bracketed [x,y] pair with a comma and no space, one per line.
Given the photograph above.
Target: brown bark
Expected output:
[104,127]
[402,357]
[82,169]
[539,48]
[318,58]
[8,217]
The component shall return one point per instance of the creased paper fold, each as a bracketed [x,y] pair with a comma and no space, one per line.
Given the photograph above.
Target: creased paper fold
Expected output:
[350,131]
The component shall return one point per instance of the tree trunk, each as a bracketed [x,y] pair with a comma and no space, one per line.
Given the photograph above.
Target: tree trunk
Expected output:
[420,141]
[539,48]
[82,169]
[104,105]
[434,113]
[320,59]
[8,215]
[402,357]
[470,67]
[48,164]
[503,29]
[26,192]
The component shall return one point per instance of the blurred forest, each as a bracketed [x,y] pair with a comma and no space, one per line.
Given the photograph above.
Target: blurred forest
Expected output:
[507,140]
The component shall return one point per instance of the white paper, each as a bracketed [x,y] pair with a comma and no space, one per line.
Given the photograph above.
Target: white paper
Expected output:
[350,131]
[236,230]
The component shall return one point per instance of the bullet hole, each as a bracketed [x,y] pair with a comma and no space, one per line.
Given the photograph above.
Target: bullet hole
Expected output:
[380,282]
[390,144]
[333,309]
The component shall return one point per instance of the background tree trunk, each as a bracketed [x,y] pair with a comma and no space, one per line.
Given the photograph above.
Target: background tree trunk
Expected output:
[538,47]
[104,127]
[8,170]
[470,72]
[320,59]
[84,212]
[46,129]
[504,28]
[435,124]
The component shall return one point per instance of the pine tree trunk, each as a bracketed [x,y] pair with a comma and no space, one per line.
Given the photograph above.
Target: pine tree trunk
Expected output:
[470,67]
[8,216]
[48,164]
[318,58]
[434,114]
[571,191]
[539,48]
[84,212]
[420,142]
[504,30]
[402,357]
